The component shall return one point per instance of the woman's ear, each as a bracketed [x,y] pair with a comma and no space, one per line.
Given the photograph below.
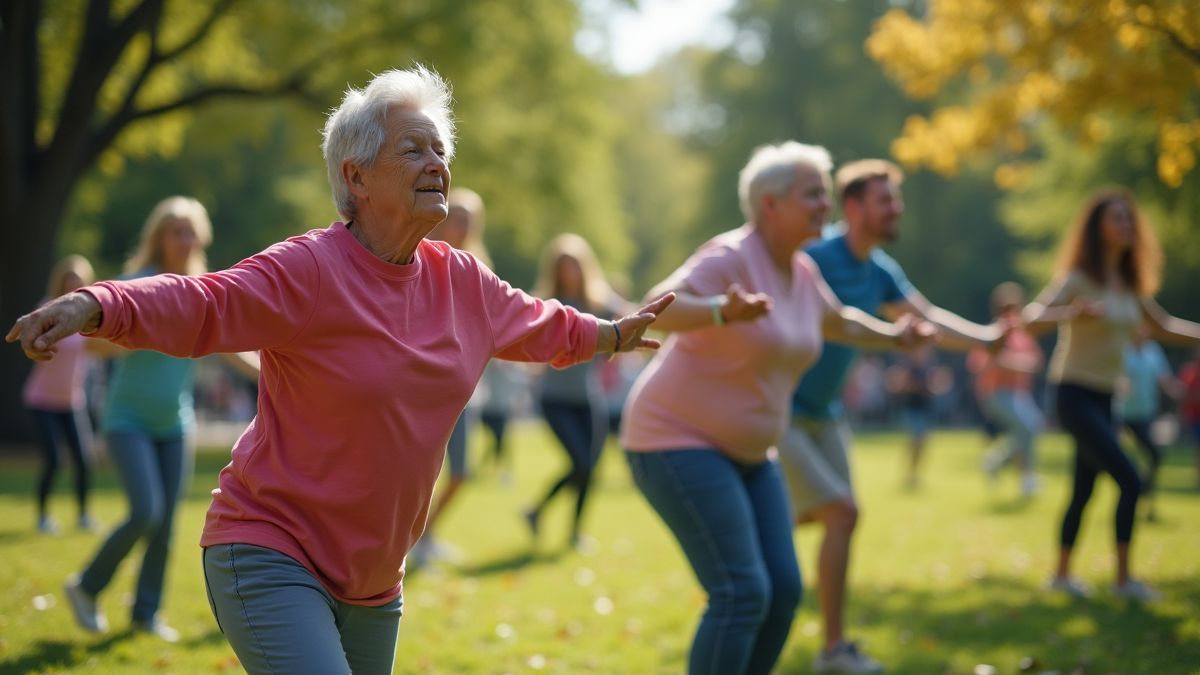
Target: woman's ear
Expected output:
[352,174]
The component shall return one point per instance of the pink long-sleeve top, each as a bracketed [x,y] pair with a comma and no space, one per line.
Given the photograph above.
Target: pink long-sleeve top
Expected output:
[366,366]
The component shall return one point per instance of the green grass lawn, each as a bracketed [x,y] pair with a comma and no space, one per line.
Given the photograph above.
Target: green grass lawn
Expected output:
[945,578]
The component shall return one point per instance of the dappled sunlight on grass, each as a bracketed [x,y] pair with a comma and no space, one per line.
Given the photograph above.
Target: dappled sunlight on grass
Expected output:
[944,578]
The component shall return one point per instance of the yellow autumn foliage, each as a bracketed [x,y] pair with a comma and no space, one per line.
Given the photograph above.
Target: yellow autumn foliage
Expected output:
[1066,61]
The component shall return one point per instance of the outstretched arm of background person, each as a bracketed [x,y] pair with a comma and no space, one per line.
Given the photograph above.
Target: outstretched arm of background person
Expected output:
[691,310]
[1169,329]
[854,327]
[957,332]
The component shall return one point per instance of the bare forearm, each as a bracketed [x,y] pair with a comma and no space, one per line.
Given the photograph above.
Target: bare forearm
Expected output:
[856,328]
[688,312]
[958,333]
[1178,332]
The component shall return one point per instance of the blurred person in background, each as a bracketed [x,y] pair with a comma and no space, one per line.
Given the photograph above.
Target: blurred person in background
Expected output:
[1108,272]
[820,483]
[149,425]
[1189,409]
[463,230]
[54,394]
[1145,376]
[917,380]
[372,341]
[572,400]
[1004,386]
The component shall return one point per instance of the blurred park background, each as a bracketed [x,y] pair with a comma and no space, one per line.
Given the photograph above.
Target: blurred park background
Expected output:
[1005,114]
[627,122]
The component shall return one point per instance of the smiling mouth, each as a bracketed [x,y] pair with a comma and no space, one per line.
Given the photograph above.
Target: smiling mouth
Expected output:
[435,190]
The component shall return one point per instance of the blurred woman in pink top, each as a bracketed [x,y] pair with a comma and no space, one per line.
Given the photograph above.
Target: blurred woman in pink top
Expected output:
[1003,384]
[54,393]
[750,314]
[372,339]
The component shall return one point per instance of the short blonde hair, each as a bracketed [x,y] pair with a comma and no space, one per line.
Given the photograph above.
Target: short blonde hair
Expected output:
[597,294]
[72,264]
[149,251]
[772,170]
[470,201]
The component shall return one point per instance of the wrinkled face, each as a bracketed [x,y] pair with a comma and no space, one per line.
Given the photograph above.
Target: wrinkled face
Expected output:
[179,242]
[406,186]
[1116,226]
[570,276]
[802,210]
[453,230]
[878,209]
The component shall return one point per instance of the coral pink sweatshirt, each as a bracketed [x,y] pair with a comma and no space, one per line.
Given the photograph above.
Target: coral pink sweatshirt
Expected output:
[366,366]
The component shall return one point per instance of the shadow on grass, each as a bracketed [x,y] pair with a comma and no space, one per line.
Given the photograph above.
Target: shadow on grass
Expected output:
[516,560]
[1003,618]
[71,655]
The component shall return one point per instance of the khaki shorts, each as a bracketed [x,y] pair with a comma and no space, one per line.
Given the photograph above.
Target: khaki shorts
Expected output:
[815,458]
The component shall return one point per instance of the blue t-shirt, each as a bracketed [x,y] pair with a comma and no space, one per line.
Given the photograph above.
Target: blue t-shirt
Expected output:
[865,284]
[1143,367]
[150,392]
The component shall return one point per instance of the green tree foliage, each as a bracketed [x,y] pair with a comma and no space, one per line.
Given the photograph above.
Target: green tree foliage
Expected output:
[1052,191]
[799,70]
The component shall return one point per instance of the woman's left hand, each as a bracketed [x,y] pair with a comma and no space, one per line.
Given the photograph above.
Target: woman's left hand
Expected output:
[633,326]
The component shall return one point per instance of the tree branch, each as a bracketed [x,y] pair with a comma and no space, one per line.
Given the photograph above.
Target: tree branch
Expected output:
[1189,51]
[201,31]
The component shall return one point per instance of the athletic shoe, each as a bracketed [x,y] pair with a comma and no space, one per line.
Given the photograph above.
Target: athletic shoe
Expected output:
[46,525]
[83,605]
[157,628]
[1030,485]
[1136,591]
[88,524]
[1069,585]
[845,657]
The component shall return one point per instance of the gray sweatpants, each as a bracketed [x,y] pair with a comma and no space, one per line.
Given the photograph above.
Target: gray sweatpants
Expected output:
[279,619]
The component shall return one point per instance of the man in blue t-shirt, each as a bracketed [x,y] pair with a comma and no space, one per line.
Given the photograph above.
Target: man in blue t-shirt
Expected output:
[814,451]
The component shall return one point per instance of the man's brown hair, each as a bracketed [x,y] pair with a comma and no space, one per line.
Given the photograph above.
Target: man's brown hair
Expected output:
[852,178]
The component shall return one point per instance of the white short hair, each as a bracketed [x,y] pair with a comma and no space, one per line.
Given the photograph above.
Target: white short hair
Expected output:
[357,129]
[772,170]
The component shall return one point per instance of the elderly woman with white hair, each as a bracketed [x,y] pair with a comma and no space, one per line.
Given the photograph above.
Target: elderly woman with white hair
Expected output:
[372,339]
[750,314]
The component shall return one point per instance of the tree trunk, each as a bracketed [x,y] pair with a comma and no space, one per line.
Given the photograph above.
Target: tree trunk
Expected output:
[33,221]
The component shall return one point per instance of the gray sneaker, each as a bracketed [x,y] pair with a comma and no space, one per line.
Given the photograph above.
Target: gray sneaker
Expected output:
[1136,591]
[1070,586]
[157,628]
[83,605]
[845,657]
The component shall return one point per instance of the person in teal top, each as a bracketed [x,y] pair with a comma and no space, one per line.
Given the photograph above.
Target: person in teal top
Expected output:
[148,423]
[814,451]
[1146,376]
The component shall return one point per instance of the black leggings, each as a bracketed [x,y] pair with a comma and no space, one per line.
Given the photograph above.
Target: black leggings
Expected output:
[580,429]
[1141,433]
[52,426]
[1087,415]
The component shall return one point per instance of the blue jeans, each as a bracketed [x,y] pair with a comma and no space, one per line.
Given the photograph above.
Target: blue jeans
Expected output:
[154,472]
[53,425]
[1015,413]
[734,524]
[279,619]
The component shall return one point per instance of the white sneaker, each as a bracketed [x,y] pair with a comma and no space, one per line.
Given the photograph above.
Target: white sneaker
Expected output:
[1069,585]
[845,657]
[1137,591]
[157,628]
[83,605]
[1030,485]
[47,525]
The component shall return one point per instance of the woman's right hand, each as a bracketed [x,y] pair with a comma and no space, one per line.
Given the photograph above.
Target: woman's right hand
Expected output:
[742,306]
[40,330]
